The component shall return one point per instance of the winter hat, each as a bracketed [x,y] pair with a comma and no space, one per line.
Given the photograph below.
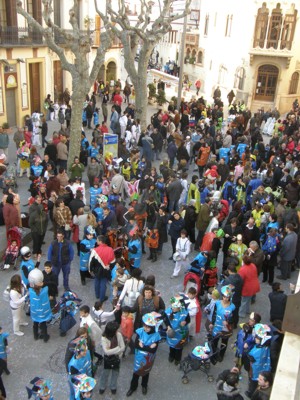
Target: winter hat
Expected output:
[227,290]
[83,384]
[41,387]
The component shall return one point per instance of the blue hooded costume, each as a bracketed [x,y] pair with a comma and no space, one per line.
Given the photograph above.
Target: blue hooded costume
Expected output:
[135,252]
[3,344]
[181,333]
[40,310]
[26,266]
[143,359]
[86,245]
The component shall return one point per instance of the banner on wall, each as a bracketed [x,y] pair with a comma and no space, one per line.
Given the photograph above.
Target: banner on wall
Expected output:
[110,145]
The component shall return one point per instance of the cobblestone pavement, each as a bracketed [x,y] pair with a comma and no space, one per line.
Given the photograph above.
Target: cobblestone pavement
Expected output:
[29,358]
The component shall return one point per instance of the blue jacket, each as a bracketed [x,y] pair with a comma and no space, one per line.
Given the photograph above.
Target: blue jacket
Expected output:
[224,153]
[222,315]
[261,360]
[96,118]
[242,338]
[98,212]
[135,245]
[180,332]
[253,185]
[36,170]
[86,246]
[3,344]
[203,194]
[26,267]
[94,192]
[83,365]
[40,310]
[241,149]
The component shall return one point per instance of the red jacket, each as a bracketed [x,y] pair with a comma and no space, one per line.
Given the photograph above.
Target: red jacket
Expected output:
[250,280]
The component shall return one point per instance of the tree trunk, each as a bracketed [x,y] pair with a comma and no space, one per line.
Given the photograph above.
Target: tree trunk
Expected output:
[76,121]
[141,98]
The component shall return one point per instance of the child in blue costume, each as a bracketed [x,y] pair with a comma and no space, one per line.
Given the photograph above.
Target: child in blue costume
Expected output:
[86,245]
[27,265]
[146,344]
[245,341]
[80,363]
[98,210]
[83,386]
[177,320]
[40,310]
[95,191]
[134,250]
[3,349]
[41,389]
[221,326]
[259,356]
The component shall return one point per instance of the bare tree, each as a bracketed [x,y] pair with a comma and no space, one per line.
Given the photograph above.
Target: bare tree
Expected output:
[142,33]
[79,43]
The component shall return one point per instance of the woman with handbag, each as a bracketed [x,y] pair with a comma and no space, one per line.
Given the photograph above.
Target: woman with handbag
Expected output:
[17,299]
[113,346]
[63,217]
[131,289]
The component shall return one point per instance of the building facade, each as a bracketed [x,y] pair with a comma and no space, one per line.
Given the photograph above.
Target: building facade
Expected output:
[250,47]
[29,70]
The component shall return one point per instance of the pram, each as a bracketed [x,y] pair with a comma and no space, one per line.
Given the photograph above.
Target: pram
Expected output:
[198,359]
[14,233]
[10,177]
[192,280]
[64,311]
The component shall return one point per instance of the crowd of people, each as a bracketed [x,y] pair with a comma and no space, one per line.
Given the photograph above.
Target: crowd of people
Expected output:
[213,185]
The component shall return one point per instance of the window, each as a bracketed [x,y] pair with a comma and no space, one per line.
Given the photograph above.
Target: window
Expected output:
[228,25]
[30,7]
[206,25]
[266,83]
[274,28]
[200,57]
[172,36]
[222,75]
[288,30]
[3,21]
[239,80]
[188,55]
[261,26]
[57,17]
[294,83]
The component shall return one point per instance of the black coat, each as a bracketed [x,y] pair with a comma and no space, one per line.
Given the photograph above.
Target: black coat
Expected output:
[51,151]
[278,302]
[162,224]
[190,218]
[182,154]
[74,206]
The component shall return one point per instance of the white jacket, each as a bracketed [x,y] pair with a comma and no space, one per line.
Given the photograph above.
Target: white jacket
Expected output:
[183,247]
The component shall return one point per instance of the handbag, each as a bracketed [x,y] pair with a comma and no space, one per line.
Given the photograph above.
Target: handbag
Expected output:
[132,296]
[67,322]
[112,362]
[67,227]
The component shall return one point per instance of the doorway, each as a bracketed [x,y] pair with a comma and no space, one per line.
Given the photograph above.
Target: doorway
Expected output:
[58,81]
[10,96]
[266,83]
[35,85]
[111,71]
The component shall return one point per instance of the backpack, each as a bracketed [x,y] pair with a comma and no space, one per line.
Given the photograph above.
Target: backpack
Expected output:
[105,188]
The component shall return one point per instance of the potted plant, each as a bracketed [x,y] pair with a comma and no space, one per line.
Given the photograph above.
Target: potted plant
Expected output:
[152,90]
[161,97]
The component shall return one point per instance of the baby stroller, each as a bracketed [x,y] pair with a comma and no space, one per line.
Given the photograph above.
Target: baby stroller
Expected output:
[12,234]
[198,359]
[64,312]
[192,280]
[10,177]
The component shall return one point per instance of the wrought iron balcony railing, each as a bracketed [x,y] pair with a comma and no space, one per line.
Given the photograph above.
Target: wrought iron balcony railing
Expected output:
[15,36]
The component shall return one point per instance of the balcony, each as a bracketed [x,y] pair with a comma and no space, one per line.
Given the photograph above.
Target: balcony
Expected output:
[191,39]
[271,48]
[15,36]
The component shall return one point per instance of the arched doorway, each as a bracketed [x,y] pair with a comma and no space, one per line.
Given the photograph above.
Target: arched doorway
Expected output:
[111,71]
[266,82]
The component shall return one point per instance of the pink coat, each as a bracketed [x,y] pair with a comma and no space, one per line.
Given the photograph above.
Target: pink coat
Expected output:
[250,279]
